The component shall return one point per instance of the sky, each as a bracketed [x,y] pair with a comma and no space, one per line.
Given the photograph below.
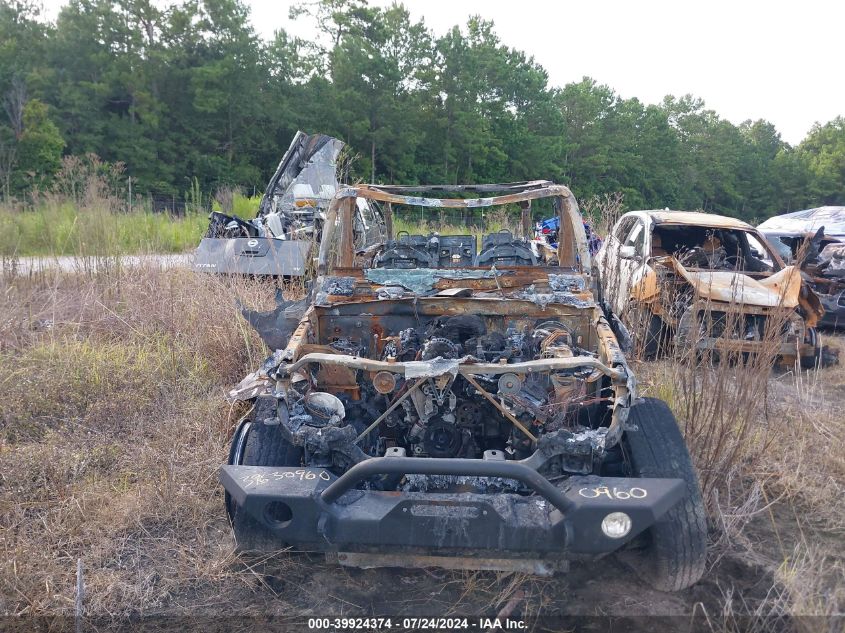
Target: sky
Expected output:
[779,61]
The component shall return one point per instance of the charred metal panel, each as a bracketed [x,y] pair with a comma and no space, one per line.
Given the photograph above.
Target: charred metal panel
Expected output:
[253,256]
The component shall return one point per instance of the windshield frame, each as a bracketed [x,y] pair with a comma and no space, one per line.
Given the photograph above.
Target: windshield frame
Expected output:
[777,261]
[573,254]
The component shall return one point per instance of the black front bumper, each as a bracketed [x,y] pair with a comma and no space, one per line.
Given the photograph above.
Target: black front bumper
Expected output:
[310,508]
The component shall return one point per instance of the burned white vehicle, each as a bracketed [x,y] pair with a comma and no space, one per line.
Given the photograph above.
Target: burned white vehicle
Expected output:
[440,404]
[281,240]
[815,240]
[707,283]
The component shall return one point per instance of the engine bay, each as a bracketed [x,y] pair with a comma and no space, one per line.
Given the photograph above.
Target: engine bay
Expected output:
[462,388]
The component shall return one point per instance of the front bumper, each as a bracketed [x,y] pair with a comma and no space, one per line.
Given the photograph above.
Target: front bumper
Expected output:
[723,329]
[311,508]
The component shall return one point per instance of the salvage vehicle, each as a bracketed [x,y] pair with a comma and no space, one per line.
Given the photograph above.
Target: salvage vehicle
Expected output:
[280,241]
[815,240]
[709,282]
[434,404]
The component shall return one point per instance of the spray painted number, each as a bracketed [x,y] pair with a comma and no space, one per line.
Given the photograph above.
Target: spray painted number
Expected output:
[613,493]
[300,475]
[260,479]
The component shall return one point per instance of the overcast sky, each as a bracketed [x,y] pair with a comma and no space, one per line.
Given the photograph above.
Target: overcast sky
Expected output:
[780,61]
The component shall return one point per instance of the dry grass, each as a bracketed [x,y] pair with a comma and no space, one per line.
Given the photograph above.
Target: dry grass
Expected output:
[112,428]
[113,425]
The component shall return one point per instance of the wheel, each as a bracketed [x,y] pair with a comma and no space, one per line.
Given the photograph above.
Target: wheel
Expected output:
[813,361]
[236,454]
[647,330]
[675,549]
[257,444]
[265,445]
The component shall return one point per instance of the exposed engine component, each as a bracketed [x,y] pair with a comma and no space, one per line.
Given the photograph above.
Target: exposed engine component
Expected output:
[347,346]
[468,413]
[442,439]
[384,382]
[403,347]
[324,408]
[439,348]
[448,415]
[489,347]
[509,384]
[458,329]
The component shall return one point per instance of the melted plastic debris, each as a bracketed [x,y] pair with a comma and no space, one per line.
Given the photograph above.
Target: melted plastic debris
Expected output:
[543,299]
[596,437]
[459,483]
[276,326]
[339,286]
[434,367]
[390,292]
[567,283]
[255,384]
[422,280]
[833,259]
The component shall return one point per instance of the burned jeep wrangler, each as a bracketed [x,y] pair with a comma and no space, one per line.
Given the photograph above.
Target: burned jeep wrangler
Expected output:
[437,404]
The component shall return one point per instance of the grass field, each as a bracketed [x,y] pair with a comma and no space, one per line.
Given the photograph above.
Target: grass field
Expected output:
[97,225]
[113,425]
[63,228]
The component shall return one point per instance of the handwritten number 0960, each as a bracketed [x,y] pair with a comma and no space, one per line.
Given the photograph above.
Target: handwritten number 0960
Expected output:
[613,493]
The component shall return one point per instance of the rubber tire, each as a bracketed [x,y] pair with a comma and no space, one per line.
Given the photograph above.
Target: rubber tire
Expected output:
[265,446]
[813,361]
[236,459]
[676,545]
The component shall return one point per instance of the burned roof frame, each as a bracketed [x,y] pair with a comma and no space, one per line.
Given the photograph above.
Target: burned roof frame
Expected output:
[573,253]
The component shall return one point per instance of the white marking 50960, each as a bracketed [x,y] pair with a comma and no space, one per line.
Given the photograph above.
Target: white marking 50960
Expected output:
[300,475]
[613,493]
[259,479]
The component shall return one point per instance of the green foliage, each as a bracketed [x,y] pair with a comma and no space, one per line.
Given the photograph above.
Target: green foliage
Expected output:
[242,206]
[63,228]
[189,99]
[824,153]
[40,144]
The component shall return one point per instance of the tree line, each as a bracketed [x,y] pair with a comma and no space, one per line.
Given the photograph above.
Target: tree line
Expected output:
[189,95]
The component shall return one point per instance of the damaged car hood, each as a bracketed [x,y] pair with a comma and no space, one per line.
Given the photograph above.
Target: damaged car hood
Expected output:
[781,289]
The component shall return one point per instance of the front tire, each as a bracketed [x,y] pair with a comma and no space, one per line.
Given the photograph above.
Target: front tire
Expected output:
[258,444]
[676,545]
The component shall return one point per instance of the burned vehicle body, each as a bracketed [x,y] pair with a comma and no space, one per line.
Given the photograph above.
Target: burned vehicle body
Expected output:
[460,415]
[826,275]
[281,239]
[708,281]
[814,239]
